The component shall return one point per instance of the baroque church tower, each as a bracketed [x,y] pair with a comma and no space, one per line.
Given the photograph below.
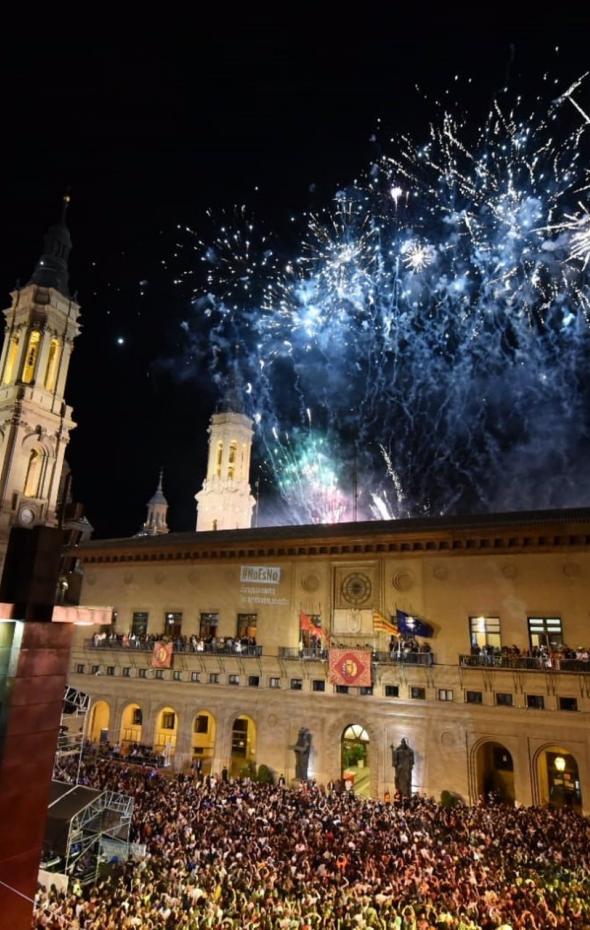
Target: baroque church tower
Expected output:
[225,501]
[157,512]
[35,421]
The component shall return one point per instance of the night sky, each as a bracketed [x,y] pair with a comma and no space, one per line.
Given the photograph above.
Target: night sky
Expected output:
[149,131]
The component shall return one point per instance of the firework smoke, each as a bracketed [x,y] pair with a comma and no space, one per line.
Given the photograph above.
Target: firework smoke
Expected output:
[434,322]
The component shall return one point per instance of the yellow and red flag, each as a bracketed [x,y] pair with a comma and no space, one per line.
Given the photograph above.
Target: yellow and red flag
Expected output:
[382,625]
[350,667]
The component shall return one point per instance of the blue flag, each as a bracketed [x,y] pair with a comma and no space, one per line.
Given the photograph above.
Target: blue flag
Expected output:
[412,626]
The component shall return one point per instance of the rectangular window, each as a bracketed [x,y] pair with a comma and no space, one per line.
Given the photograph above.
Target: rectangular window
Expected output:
[504,699]
[173,624]
[485,631]
[195,677]
[126,672]
[177,676]
[139,623]
[246,627]
[253,681]
[168,720]
[418,694]
[568,703]
[110,669]
[80,669]
[318,685]
[208,624]
[234,679]
[274,682]
[366,690]
[142,672]
[545,631]
[214,678]
[202,723]
[341,689]
[473,697]
[296,684]
[444,694]
[137,717]
[535,701]
[391,690]
[159,673]
[95,669]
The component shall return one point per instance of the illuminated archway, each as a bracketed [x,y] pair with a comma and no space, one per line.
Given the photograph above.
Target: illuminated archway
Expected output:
[495,772]
[131,725]
[558,778]
[165,732]
[100,715]
[354,755]
[243,744]
[203,741]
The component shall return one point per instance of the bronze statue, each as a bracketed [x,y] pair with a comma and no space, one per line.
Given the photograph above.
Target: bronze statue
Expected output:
[302,749]
[402,760]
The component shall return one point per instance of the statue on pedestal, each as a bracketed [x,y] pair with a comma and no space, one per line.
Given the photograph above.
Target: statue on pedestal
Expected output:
[302,749]
[402,759]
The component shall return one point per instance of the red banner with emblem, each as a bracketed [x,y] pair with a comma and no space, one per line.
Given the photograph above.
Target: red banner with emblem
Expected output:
[350,667]
[162,655]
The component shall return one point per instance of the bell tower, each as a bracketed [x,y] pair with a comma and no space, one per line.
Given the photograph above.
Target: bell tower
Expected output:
[225,501]
[35,421]
[157,510]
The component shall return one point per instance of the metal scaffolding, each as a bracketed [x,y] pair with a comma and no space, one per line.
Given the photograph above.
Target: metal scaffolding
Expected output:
[98,833]
[72,732]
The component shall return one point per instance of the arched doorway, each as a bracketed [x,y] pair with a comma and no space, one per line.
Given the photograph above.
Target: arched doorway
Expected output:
[165,733]
[99,722]
[495,772]
[203,741]
[131,725]
[355,759]
[243,744]
[559,778]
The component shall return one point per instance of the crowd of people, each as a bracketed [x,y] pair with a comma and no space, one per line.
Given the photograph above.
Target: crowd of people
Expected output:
[544,656]
[243,645]
[225,854]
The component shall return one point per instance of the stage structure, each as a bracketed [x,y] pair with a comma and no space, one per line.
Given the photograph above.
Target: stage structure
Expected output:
[72,733]
[86,828]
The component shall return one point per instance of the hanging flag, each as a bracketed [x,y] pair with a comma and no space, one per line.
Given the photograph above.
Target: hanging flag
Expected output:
[350,667]
[382,625]
[311,625]
[413,626]
[162,655]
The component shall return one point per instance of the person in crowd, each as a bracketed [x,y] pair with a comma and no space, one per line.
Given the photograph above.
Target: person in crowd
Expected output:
[226,854]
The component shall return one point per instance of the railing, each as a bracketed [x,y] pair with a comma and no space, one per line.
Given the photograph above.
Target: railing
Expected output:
[294,652]
[528,663]
[404,658]
[185,649]
[396,658]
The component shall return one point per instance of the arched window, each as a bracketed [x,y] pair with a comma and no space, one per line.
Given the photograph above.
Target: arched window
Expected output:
[11,359]
[231,468]
[218,458]
[52,363]
[33,478]
[31,356]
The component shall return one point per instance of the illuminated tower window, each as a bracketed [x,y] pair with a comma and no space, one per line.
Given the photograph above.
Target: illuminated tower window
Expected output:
[11,359]
[52,362]
[231,470]
[218,460]
[31,357]
[33,478]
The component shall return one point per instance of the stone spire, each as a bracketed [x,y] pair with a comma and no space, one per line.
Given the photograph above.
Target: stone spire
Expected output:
[52,268]
[157,510]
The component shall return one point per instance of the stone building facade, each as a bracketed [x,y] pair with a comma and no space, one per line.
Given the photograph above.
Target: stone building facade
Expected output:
[479,716]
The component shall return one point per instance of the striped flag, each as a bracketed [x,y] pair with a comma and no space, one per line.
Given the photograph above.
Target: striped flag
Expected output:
[382,625]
